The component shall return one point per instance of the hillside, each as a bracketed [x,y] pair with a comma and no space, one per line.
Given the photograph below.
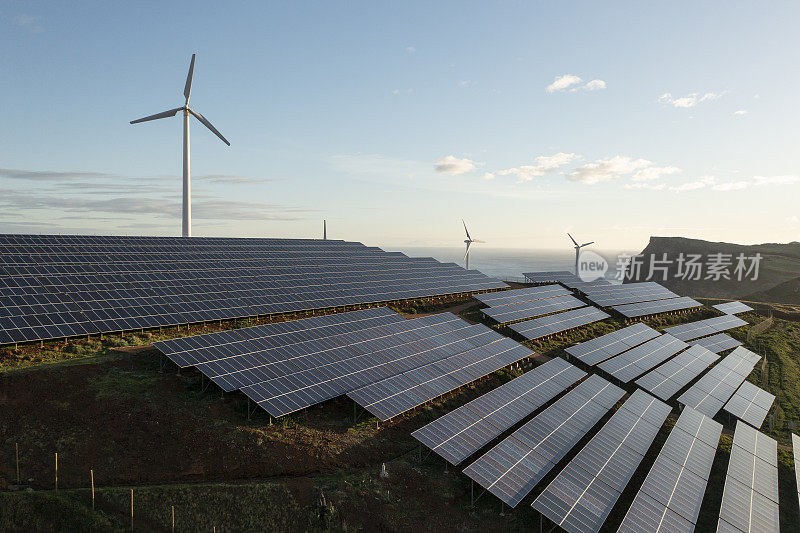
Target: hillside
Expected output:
[777,280]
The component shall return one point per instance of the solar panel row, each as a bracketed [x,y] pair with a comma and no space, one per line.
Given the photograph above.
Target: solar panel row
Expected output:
[701,328]
[638,360]
[516,296]
[62,286]
[613,295]
[671,495]
[717,343]
[666,380]
[658,306]
[550,276]
[581,497]
[547,325]
[462,432]
[716,387]
[750,498]
[732,308]
[750,404]
[511,469]
[601,348]
[520,311]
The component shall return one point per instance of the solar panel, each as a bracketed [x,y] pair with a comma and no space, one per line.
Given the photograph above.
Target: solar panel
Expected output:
[599,349]
[701,328]
[520,311]
[629,293]
[515,296]
[715,388]
[512,468]
[556,323]
[732,308]
[750,404]
[717,343]
[638,309]
[462,432]
[638,360]
[671,495]
[666,380]
[580,498]
[550,276]
[750,497]
[62,286]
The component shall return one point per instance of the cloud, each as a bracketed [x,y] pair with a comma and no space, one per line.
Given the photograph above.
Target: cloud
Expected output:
[700,183]
[573,83]
[645,185]
[654,173]
[230,179]
[410,49]
[453,166]
[792,219]
[542,165]
[776,180]
[562,83]
[740,112]
[690,100]
[51,175]
[607,169]
[28,22]
[731,186]
[595,85]
[488,176]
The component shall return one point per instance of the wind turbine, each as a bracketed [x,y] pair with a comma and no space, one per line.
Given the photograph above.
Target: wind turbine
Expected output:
[469,241]
[578,251]
[187,207]
[324,230]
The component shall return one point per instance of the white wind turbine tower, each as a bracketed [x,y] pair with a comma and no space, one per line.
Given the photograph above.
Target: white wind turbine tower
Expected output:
[578,250]
[187,207]
[469,241]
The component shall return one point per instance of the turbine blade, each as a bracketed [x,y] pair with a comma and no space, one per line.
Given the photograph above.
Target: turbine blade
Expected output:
[573,240]
[165,114]
[476,240]
[187,90]
[587,244]
[465,229]
[467,252]
[208,125]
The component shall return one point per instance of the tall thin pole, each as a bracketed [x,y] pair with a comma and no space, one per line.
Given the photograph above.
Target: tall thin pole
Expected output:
[16,445]
[324,230]
[187,194]
[56,472]
[91,477]
[577,253]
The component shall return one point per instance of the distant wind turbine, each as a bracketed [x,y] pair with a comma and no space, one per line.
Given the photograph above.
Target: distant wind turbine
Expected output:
[187,207]
[578,250]
[324,230]
[469,241]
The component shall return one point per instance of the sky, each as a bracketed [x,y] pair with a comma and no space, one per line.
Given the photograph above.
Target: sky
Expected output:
[614,121]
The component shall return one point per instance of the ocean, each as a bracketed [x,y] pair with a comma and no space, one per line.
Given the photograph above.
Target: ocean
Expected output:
[509,264]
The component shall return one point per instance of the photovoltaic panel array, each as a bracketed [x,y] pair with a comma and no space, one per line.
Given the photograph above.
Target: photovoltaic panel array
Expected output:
[462,432]
[750,498]
[580,498]
[627,293]
[599,349]
[717,343]
[517,296]
[511,469]
[287,366]
[547,325]
[732,308]
[627,366]
[55,286]
[796,454]
[658,306]
[750,404]
[521,311]
[671,495]
[446,368]
[550,276]
[666,380]
[701,328]
[716,387]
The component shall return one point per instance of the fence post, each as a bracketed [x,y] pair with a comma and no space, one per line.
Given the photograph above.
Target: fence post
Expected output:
[56,471]
[91,477]
[173,518]
[16,445]
[131,509]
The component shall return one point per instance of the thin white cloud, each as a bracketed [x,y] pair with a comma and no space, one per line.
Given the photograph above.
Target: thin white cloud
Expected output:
[690,100]
[776,180]
[701,183]
[454,166]
[607,169]
[645,185]
[488,176]
[28,22]
[731,186]
[542,165]
[564,82]
[654,173]
[573,84]
[740,112]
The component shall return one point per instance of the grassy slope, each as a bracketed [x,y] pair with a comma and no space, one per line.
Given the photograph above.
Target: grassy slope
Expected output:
[137,427]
